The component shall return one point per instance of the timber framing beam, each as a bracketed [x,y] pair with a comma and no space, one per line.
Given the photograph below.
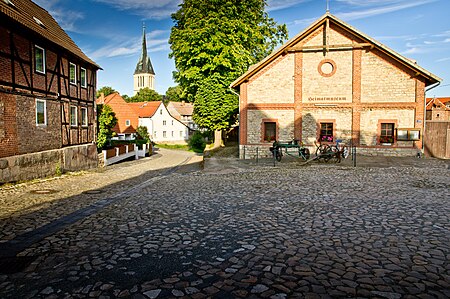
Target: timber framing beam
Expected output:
[330,47]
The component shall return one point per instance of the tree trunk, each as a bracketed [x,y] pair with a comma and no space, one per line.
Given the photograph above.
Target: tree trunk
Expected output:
[218,138]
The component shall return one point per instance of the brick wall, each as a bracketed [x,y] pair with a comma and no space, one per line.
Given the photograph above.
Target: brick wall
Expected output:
[284,119]
[275,76]
[8,125]
[34,138]
[384,81]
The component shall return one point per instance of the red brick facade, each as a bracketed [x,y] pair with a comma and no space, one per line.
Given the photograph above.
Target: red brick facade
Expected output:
[21,84]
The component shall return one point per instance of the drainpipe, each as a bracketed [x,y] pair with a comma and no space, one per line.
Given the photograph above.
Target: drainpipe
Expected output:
[425,114]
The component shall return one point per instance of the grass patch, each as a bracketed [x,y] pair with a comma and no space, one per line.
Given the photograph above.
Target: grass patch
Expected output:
[182,147]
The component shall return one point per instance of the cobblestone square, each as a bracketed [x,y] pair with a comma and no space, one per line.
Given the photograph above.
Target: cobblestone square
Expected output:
[251,231]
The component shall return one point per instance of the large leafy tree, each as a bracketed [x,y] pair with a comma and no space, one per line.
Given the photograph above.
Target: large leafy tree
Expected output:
[213,42]
[174,94]
[106,90]
[145,95]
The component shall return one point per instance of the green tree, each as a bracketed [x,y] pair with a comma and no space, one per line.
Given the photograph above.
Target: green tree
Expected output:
[146,95]
[215,106]
[106,122]
[142,133]
[214,42]
[174,94]
[106,90]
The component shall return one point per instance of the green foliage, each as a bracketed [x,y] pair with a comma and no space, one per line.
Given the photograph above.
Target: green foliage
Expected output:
[174,94]
[106,122]
[58,170]
[145,95]
[126,98]
[197,142]
[219,40]
[142,133]
[106,90]
[215,106]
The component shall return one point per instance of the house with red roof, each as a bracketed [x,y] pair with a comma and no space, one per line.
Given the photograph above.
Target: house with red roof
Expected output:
[161,125]
[438,109]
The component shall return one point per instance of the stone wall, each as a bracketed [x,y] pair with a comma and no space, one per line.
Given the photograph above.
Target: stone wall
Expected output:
[47,163]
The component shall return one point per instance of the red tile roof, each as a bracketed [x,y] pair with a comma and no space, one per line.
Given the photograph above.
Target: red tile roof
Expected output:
[37,19]
[123,111]
[437,102]
[145,109]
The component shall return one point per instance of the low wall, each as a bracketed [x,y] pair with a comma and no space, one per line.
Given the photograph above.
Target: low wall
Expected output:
[48,163]
[253,151]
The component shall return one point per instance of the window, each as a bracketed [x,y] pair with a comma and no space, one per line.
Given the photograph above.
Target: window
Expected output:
[172,120]
[39,59]
[84,117]
[164,134]
[73,73]
[326,132]
[164,122]
[387,133]
[408,134]
[160,111]
[181,133]
[127,123]
[270,131]
[73,116]
[83,77]
[172,133]
[41,112]
[154,134]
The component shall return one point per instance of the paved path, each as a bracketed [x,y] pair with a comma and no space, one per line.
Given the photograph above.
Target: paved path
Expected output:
[236,230]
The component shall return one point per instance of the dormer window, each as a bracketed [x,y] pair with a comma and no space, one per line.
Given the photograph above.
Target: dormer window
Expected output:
[9,2]
[39,22]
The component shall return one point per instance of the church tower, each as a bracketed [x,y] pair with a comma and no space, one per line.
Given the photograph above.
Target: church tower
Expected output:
[144,75]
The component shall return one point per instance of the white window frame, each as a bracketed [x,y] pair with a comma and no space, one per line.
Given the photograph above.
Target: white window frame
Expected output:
[76,116]
[83,82]
[75,73]
[43,59]
[84,118]
[164,122]
[45,112]
[127,123]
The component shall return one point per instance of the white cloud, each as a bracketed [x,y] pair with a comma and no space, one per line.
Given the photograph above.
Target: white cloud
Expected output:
[443,59]
[132,46]
[65,18]
[150,9]
[355,15]
[273,5]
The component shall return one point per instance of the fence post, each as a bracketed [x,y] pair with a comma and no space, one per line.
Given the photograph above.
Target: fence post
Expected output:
[257,154]
[354,155]
[244,153]
[136,152]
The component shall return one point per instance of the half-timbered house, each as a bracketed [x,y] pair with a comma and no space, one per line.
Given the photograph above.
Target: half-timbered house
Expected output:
[47,84]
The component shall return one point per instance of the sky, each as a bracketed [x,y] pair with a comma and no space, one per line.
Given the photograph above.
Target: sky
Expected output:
[110,32]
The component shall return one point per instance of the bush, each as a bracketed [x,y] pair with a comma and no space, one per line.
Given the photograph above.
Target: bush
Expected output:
[197,142]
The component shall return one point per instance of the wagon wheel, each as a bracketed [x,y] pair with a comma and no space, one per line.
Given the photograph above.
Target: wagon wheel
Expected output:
[335,157]
[277,153]
[320,151]
[304,153]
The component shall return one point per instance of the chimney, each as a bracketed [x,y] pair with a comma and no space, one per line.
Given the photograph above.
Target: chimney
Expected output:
[102,98]
[182,103]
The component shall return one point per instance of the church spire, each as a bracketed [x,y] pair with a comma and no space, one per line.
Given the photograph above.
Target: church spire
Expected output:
[144,65]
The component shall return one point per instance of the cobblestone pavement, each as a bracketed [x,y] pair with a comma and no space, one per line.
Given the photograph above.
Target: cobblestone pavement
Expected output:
[232,230]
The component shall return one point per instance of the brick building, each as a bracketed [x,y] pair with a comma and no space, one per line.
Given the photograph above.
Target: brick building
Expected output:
[47,84]
[333,82]
[438,109]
